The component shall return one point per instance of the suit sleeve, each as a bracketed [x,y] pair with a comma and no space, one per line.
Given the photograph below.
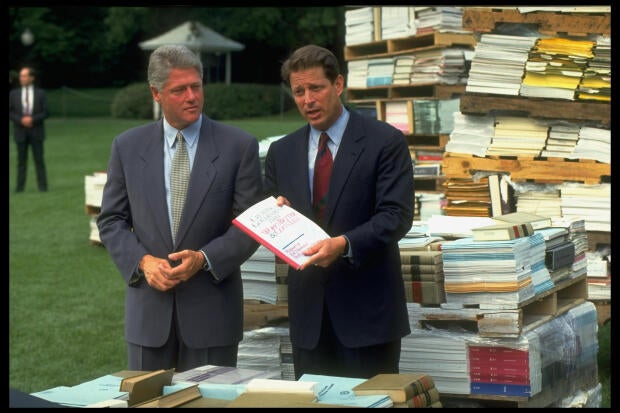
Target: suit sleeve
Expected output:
[227,252]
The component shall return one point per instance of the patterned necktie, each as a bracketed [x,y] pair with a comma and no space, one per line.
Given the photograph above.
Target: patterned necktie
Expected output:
[322,171]
[179,178]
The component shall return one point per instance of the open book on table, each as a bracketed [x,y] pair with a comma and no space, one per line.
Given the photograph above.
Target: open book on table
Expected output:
[281,229]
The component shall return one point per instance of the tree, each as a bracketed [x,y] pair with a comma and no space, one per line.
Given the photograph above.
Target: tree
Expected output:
[90,46]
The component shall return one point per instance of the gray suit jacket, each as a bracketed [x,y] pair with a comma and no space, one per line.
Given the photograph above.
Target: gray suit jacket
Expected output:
[225,180]
[371,201]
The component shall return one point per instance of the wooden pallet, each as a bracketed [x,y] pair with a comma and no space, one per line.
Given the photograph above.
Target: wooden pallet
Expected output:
[456,165]
[510,321]
[576,110]
[485,19]
[388,92]
[408,45]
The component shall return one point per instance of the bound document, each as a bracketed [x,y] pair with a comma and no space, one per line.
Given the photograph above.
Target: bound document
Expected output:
[281,229]
[400,387]
[504,231]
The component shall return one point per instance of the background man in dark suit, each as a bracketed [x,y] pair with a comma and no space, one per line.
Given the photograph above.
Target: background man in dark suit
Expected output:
[28,111]
[347,306]
[190,314]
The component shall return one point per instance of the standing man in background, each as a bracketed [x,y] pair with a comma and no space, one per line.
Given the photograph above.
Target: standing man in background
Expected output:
[28,111]
[353,174]
[184,297]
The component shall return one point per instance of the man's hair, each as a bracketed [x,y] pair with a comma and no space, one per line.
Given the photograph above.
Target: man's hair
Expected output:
[30,69]
[165,58]
[308,57]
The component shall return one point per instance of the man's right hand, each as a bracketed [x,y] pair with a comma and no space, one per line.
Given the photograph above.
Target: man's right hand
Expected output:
[150,266]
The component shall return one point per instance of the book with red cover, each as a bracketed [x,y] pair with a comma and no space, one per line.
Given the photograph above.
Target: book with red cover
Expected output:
[281,229]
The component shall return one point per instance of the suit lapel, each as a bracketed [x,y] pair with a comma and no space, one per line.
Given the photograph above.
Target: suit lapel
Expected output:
[153,169]
[350,149]
[202,177]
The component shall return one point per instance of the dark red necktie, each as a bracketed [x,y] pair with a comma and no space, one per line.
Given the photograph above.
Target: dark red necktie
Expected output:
[322,171]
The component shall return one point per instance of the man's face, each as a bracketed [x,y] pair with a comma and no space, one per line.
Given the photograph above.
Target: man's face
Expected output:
[181,98]
[317,99]
[24,77]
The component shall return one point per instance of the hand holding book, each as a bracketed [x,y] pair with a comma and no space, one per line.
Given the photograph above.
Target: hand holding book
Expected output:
[281,229]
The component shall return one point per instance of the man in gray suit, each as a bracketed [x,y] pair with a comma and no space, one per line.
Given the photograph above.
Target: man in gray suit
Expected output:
[184,297]
[28,111]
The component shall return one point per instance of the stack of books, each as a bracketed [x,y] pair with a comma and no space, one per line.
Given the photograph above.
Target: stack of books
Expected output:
[397,22]
[559,252]
[380,72]
[359,25]
[405,389]
[446,66]
[471,134]
[499,63]
[577,235]
[483,272]
[596,81]
[555,67]
[517,136]
[593,143]
[561,140]
[467,197]
[423,276]
[439,352]
[258,275]
[590,202]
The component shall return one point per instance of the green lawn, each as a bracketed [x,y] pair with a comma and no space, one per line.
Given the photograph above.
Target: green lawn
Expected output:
[66,298]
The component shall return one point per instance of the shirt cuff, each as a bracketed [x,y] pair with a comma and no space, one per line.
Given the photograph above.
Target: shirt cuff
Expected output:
[207,266]
[348,252]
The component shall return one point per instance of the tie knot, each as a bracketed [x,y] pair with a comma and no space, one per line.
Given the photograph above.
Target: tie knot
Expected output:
[323,140]
[180,138]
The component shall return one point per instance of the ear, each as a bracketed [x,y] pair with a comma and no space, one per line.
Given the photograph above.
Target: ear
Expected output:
[155,93]
[339,84]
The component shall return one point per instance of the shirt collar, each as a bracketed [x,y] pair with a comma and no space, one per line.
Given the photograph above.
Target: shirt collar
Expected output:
[190,133]
[335,131]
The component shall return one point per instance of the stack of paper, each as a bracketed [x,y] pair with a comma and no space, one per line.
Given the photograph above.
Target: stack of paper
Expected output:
[561,140]
[357,74]
[397,22]
[448,65]
[591,203]
[539,199]
[441,353]
[429,19]
[499,63]
[555,66]
[515,136]
[488,272]
[471,134]
[260,349]
[359,25]
[596,81]
[593,143]
[258,275]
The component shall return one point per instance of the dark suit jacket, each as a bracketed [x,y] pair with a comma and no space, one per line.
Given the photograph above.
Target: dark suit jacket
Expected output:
[225,180]
[39,114]
[371,201]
